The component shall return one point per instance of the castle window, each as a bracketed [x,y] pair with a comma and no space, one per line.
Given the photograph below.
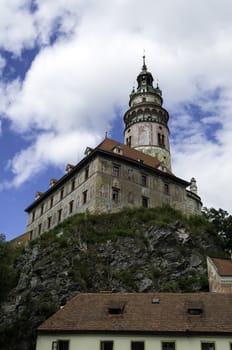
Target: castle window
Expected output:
[39,229]
[31,234]
[106,345]
[73,185]
[33,216]
[59,215]
[144,180]
[71,207]
[145,202]
[166,188]
[84,197]
[61,193]
[168,345]
[207,346]
[42,209]
[86,173]
[115,194]
[116,170]
[60,345]
[51,202]
[49,222]
[137,345]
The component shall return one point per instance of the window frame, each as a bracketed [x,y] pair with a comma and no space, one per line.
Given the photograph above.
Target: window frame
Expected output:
[106,342]
[144,180]
[135,343]
[115,195]
[71,205]
[203,342]
[169,342]
[84,197]
[116,170]
[56,344]
[59,213]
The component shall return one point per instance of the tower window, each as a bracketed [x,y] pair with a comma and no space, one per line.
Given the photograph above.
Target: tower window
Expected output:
[128,141]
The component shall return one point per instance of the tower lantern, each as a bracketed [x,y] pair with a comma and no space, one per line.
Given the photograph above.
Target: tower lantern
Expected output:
[146,121]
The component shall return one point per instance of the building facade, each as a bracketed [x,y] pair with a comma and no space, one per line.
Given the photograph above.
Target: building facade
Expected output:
[114,176]
[219,275]
[140,321]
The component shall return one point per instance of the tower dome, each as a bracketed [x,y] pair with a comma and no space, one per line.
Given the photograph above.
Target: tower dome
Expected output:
[146,121]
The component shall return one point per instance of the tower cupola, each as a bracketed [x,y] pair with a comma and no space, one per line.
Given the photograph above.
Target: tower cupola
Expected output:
[146,121]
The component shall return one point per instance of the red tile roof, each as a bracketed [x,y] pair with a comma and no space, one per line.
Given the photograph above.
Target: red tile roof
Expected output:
[223,266]
[169,312]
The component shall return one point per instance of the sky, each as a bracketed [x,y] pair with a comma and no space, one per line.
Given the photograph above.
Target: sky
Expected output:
[67,68]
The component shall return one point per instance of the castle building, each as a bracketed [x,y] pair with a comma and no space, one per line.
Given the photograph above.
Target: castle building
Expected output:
[114,176]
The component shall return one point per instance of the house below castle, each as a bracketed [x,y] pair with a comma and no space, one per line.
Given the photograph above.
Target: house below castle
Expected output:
[114,176]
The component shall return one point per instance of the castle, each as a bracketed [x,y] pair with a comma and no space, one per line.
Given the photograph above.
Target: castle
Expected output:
[114,176]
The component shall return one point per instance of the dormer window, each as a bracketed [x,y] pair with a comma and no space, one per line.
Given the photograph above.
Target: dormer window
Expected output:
[116,308]
[195,311]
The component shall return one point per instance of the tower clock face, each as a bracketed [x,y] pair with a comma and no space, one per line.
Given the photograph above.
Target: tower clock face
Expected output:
[143,82]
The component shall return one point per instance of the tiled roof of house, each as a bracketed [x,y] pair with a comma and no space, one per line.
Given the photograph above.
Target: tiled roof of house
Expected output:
[144,312]
[223,266]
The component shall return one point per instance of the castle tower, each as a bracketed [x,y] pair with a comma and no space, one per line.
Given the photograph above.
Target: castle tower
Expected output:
[146,121]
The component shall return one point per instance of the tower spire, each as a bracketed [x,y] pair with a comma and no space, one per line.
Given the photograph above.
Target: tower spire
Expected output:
[144,67]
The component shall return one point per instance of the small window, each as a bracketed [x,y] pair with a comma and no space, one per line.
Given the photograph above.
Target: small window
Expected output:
[33,216]
[144,180]
[106,345]
[86,173]
[145,202]
[60,345]
[207,346]
[168,346]
[59,215]
[128,141]
[195,311]
[166,188]
[42,209]
[31,234]
[116,170]
[73,185]
[115,194]
[51,202]
[71,207]
[137,345]
[49,222]
[84,197]
[39,229]
[61,193]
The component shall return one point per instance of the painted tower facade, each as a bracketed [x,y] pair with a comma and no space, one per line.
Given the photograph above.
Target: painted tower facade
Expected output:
[146,121]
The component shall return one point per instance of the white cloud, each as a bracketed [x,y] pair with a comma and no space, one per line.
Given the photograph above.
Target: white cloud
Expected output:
[73,87]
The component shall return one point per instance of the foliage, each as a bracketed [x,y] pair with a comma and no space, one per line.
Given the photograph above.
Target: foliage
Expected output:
[222,223]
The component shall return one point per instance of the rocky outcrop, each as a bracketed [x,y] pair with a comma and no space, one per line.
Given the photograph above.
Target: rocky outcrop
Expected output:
[92,256]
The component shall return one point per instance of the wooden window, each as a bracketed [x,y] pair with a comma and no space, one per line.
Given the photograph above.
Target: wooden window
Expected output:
[84,197]
[116,170]
[115,194]
[49,222]
[145,202]
[207,346]
[168,345]
[106,345]
[59,215]
[137,345]
[144,180]
[71,207]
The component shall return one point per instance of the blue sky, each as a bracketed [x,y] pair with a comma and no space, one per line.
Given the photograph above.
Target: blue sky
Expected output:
[66,71]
